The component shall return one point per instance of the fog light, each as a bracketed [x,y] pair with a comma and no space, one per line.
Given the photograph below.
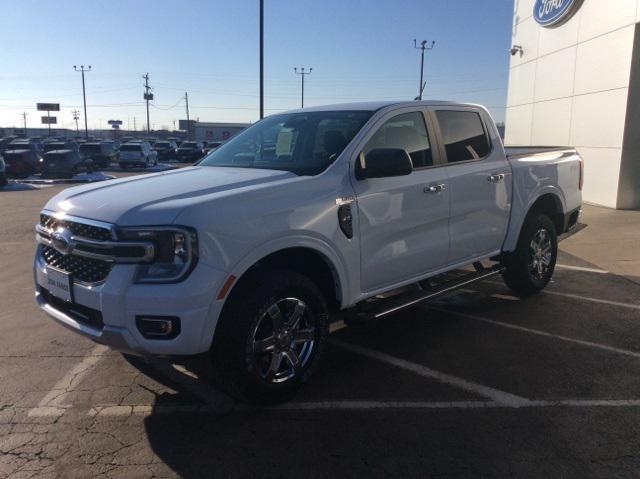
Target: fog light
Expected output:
[158,327]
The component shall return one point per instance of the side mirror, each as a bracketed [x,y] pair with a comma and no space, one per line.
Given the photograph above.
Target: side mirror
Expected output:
[384,163]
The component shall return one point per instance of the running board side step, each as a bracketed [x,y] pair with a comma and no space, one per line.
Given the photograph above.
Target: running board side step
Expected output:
[379,308]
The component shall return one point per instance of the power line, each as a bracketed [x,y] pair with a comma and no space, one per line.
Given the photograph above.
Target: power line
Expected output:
[302,74]
[76,118]
[186,102]
[147,97]
[84,97]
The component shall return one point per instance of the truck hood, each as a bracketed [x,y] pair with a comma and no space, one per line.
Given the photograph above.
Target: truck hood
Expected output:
[158,198]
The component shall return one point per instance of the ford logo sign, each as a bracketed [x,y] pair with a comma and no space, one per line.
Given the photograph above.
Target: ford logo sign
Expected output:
[552,13]
[61,241]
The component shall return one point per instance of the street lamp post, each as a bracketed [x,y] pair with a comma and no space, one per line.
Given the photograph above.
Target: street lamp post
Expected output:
[423,46]
[82,69]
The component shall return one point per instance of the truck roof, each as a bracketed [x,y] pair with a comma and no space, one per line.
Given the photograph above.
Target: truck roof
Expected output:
[377,105]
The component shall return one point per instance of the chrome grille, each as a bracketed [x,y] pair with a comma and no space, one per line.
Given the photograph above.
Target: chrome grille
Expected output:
[82,269]
[79,229]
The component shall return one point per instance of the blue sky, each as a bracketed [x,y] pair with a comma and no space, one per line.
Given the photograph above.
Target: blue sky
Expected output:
[359,50]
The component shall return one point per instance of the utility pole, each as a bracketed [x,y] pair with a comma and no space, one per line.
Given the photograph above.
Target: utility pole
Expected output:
[147,96]
[423,46]
[24,119]
[186,102]
[261,59]
[302,74]
[134,124]
[84,97]
[76,117]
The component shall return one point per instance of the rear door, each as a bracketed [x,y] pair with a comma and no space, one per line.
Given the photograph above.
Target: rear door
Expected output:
[479,180]
[403,221]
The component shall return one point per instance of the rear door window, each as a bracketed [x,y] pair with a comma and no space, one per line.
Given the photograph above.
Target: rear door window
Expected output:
[463,135]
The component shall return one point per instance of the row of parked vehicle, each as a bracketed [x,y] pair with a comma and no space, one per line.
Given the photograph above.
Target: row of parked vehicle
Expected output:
[56,158]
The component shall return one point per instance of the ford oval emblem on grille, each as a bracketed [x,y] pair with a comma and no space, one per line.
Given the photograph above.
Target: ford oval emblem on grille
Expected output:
[61,241]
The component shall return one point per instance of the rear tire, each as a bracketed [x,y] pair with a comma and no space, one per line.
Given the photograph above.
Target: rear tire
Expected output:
[530,267]
[270,337]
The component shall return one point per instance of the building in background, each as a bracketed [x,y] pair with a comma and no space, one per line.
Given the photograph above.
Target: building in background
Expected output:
[575,80]
[216,131]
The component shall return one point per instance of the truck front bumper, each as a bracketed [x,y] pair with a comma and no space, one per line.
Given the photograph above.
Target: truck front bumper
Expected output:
[107,312]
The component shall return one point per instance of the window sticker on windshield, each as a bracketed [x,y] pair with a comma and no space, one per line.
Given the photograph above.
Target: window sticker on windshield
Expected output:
[285,139]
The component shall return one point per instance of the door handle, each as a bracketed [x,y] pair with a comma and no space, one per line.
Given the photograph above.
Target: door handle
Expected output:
[497,178]
[435,188]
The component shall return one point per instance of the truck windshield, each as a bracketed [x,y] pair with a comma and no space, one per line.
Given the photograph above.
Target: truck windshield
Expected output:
[302,143]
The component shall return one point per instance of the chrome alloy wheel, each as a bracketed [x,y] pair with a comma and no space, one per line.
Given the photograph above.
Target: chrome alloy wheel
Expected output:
[283,340]
[540,253]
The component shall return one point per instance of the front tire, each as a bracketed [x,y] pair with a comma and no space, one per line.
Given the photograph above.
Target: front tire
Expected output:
[270,337]
[530,267]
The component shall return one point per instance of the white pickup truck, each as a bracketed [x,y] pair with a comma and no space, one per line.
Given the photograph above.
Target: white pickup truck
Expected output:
[357,209]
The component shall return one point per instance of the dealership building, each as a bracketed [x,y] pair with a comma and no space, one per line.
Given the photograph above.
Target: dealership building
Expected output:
[575,80]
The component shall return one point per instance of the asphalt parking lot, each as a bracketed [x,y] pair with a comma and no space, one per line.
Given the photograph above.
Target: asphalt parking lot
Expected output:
[477,384]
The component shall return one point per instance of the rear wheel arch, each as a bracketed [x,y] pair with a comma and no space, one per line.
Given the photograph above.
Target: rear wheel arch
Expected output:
[549,204]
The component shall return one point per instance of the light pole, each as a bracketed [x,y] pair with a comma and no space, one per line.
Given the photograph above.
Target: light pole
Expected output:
[302,73]
[82,69]
[423,46]
[261,59]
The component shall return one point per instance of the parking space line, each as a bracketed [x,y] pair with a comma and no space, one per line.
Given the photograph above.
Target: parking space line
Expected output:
[500,397]
[53,404]
[538,332]
[577,296]
[580,268]
[594,300]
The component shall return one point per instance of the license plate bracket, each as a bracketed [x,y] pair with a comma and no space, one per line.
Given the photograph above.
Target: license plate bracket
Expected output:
[59,284]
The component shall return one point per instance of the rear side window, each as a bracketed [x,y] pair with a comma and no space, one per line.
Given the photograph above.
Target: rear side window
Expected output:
[463,134]
[408,132]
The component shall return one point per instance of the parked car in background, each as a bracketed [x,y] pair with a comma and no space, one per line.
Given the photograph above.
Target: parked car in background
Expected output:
[60,145]
[64,164]
[352,211]
[3,172]
[166,149]
[22,158]
[4,142]
[137,154]
[190,151]
[211,146]
[103,153]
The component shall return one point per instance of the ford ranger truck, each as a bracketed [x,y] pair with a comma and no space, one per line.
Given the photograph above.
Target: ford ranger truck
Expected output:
[356,210]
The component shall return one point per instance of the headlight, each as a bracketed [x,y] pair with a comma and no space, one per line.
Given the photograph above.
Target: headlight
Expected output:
[175,252]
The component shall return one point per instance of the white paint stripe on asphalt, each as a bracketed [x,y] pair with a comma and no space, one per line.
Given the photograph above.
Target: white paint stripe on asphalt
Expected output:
[495,395]
[53,403]
[594,300]
[148,409]
[538,332]
[580,268]
[582,298]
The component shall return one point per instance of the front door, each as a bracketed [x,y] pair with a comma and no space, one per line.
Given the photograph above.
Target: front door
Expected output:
[403,221]
[479,180]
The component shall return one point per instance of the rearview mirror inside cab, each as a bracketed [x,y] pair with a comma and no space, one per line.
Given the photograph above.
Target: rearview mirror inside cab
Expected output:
[383,163]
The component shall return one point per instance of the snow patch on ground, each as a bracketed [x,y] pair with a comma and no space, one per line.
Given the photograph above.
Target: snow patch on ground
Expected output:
[79,178]
[18,186]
